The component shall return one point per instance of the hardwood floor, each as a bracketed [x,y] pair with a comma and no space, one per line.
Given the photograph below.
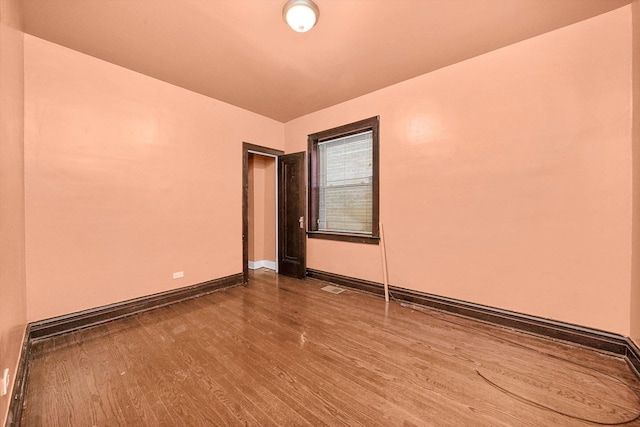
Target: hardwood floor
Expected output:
[280,351]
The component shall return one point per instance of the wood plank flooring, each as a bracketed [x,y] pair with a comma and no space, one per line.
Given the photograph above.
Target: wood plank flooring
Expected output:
[282,352]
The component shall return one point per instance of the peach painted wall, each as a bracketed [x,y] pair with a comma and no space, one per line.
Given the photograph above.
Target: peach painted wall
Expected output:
[635,273]
[506,178]
[262,239]
[128,179]
[13,314]
[251,202]
[270,209]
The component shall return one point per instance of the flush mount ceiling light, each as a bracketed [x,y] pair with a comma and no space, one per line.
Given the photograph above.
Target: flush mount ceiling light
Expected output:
[301,15]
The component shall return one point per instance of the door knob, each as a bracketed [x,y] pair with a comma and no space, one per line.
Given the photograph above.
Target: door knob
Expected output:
[301,220]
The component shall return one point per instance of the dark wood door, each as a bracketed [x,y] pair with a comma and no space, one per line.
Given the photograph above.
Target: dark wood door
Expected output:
[292,243]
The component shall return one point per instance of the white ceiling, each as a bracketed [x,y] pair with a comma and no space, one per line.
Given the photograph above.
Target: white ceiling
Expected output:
[242,52]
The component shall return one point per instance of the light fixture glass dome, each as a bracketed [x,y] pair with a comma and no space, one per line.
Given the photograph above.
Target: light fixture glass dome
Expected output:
[301,15]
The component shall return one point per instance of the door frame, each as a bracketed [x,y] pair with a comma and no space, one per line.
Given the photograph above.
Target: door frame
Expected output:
[248,148]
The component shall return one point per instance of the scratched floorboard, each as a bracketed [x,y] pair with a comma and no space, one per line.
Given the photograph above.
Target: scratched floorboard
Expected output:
[283,352]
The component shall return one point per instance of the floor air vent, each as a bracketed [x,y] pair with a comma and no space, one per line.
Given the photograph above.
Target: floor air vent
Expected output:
[333,289]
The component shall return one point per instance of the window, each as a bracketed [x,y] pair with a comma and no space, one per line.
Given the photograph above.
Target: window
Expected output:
[343,183]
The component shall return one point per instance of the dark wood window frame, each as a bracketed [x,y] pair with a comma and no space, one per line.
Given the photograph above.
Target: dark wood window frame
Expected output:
[371,124]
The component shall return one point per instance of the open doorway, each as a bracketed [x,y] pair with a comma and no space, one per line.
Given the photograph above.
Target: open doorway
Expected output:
[259,205]
[261,212]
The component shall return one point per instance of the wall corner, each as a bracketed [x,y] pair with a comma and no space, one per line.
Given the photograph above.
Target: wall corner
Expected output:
[635,140]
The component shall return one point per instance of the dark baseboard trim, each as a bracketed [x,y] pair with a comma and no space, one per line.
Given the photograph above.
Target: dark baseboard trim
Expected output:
[575,334]
[19,385]
[633,356]
[95,316]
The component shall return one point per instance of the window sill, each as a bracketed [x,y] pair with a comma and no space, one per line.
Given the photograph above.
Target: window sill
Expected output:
[344,237]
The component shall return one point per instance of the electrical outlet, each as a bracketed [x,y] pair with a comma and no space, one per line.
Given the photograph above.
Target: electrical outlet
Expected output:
[6,379]
[178,274]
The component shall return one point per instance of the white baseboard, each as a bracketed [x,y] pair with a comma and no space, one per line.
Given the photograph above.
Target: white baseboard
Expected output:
[254,265]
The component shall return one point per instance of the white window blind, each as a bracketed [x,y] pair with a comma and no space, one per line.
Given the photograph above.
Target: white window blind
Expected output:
[346,183]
